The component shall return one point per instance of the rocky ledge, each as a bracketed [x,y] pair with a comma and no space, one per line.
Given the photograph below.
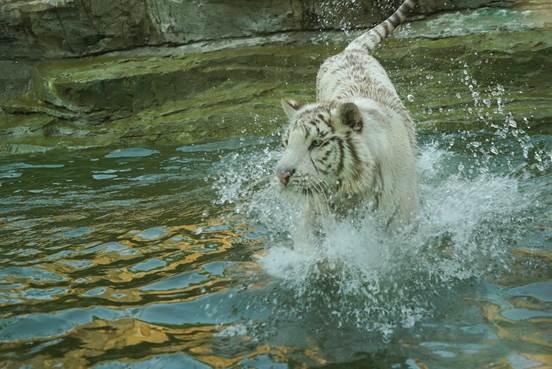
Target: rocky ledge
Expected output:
[462,69]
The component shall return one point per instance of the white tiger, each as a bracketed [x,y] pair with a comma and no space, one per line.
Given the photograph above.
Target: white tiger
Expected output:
[356,144]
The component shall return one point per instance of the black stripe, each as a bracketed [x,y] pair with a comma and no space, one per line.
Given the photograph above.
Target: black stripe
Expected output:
[325,157]
[341,156]
[390,220]
[381,36]
[375,38]
[325,122]
[395,20]
[313,164]
[402,16]
[323,171]
[378,179]
[388,27]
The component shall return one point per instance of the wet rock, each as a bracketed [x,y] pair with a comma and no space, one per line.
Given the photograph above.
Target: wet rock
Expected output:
[449,76]
[14,78]
[45,28]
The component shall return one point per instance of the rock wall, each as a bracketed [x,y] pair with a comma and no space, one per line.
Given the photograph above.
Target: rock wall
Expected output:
[36,30]
[61,28]
[39,29]
[90,82]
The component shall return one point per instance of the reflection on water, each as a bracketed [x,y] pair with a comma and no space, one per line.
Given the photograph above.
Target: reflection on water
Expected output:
[181,258]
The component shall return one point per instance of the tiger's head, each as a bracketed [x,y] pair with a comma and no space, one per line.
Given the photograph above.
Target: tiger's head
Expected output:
[324,151]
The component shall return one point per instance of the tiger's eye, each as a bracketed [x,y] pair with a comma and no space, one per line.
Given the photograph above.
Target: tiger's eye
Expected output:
[315,143]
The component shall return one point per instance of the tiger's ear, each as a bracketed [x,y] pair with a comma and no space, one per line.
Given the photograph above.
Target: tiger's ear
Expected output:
[290,107]
[349,115]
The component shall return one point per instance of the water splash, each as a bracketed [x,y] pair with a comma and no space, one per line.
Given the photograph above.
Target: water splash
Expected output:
[330,12]
[474,205]
[487,106]
[358,273]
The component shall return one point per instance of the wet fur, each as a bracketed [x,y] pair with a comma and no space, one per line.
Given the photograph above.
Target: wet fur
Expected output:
[356,144]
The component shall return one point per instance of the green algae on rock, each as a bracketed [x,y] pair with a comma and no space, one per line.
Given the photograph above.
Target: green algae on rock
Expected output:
[177,96]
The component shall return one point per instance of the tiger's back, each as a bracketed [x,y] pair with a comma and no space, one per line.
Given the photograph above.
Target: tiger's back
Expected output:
[353,73]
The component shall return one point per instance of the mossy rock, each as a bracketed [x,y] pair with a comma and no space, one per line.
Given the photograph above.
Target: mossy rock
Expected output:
[199,97]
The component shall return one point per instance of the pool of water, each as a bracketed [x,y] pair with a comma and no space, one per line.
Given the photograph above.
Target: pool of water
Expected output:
[186,257]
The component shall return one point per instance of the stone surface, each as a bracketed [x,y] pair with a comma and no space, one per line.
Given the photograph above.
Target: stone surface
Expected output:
[14,78]
[454,71]
[35,30]
[59,28]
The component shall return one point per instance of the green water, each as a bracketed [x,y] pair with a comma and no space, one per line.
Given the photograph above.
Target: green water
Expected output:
[127,259]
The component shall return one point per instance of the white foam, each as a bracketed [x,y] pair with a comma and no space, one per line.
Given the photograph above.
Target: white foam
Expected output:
[364,275]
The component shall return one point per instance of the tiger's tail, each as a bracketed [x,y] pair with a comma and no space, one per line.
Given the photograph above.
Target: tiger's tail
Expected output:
[371,39]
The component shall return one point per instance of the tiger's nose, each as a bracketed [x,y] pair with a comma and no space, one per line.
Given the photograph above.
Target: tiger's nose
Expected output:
[284,175]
